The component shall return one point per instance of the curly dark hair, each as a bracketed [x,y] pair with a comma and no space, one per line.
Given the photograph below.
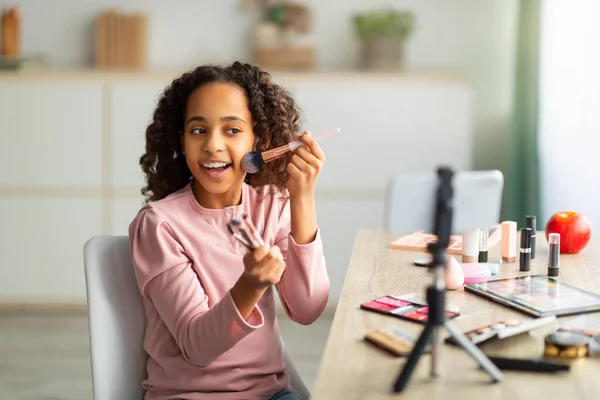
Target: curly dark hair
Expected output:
[275,115]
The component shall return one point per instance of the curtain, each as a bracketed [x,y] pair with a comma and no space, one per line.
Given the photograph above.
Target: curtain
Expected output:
[521,193]
[570,108]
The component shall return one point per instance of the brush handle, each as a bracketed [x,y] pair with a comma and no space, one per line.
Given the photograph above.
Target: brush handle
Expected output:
[280,151]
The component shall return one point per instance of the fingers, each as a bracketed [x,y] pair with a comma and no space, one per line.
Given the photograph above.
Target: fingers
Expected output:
[274,254]
[294,171]
[257,255]
[312,145]
[303,162]
[268,269]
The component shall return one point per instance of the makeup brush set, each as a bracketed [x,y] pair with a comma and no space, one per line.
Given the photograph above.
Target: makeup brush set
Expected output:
[244,230]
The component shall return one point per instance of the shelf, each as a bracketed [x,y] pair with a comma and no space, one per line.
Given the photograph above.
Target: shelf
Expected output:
[290,77]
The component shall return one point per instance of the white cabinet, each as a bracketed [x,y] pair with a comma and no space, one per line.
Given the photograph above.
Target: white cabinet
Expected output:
[70,150]
[130,109]
[50,134]
[41,251]
[387,128]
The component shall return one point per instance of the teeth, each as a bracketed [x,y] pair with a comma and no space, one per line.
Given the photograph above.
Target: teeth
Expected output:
[215,165]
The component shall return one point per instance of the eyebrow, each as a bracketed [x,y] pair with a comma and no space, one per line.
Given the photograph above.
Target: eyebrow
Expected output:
[223,119]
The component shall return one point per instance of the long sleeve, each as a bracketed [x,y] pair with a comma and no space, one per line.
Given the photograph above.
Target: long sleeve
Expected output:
[167,280]
[304,287]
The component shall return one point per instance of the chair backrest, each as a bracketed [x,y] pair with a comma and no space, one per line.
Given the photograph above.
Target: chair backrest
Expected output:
[411,199]
[116,319]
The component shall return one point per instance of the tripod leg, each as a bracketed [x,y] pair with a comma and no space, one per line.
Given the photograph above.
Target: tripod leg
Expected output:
[435,351]
[413,357]
[474,352]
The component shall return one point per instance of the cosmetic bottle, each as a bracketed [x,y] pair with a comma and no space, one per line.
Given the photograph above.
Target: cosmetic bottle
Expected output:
[470,246]
[525,253]
[509,241]
[553,254]
[483,245]
[530,222]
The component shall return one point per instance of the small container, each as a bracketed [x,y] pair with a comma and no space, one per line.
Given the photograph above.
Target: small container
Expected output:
[553,254]
[10,33]
[525,254]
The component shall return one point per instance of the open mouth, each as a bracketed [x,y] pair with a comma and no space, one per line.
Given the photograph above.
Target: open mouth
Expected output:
[216,166]
[215,170]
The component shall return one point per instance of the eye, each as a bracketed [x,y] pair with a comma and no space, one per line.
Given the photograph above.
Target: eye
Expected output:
[233,131]
[198,131]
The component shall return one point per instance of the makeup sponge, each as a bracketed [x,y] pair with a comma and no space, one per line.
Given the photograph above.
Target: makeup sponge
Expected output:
[453,274]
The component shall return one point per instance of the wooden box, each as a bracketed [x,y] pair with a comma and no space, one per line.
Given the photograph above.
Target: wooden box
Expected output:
[286,58]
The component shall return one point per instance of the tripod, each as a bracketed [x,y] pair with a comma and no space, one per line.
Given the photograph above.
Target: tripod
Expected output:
[436,296]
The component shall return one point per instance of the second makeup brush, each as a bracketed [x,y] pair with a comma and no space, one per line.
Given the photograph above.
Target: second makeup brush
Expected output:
[254,160]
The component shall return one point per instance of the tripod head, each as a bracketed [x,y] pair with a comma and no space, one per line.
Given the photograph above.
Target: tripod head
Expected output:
[442,224]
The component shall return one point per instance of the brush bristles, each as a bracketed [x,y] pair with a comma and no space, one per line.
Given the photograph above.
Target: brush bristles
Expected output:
[251,162]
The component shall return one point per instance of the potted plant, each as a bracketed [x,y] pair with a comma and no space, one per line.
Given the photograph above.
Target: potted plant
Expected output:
[383,34]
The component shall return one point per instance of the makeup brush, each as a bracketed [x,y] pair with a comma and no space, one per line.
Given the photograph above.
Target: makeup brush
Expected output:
[252,229]
[254,160]
[239,227]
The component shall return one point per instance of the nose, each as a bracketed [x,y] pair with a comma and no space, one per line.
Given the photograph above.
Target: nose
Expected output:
[214,142]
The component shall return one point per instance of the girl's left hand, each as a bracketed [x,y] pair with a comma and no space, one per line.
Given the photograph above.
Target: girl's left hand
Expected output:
[304,167]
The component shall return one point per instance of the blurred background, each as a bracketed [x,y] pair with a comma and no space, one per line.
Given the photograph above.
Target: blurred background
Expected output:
[495,84]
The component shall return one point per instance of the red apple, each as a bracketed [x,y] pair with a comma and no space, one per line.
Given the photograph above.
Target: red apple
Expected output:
[574,229]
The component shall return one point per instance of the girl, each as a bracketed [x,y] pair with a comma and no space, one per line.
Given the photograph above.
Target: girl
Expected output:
[211,329]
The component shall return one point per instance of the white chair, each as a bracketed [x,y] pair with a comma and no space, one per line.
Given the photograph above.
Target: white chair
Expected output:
[410,201]
[117,322]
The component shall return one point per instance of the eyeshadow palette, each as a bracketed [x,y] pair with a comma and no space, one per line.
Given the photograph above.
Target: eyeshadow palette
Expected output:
[402,308]
[537,295]
[503,329]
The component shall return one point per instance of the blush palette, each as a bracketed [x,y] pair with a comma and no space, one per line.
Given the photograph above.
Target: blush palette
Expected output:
[401,308]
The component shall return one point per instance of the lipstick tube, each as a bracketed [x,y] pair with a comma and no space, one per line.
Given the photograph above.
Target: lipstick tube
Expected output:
[525,254]
[483,245]
[530,222]
[509,241]
[553,253]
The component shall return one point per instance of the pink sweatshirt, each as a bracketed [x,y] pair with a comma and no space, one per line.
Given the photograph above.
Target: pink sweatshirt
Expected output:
[186,262]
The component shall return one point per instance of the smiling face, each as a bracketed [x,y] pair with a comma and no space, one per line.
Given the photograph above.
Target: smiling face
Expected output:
[217,134]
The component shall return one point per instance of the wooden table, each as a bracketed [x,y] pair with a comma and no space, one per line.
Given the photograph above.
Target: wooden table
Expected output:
[353,369]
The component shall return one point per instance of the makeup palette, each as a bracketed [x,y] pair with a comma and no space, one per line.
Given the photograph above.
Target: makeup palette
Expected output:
[503,329]
[402,308]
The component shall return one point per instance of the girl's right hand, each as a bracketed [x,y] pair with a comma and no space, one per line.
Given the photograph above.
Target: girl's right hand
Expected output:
[263,267]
